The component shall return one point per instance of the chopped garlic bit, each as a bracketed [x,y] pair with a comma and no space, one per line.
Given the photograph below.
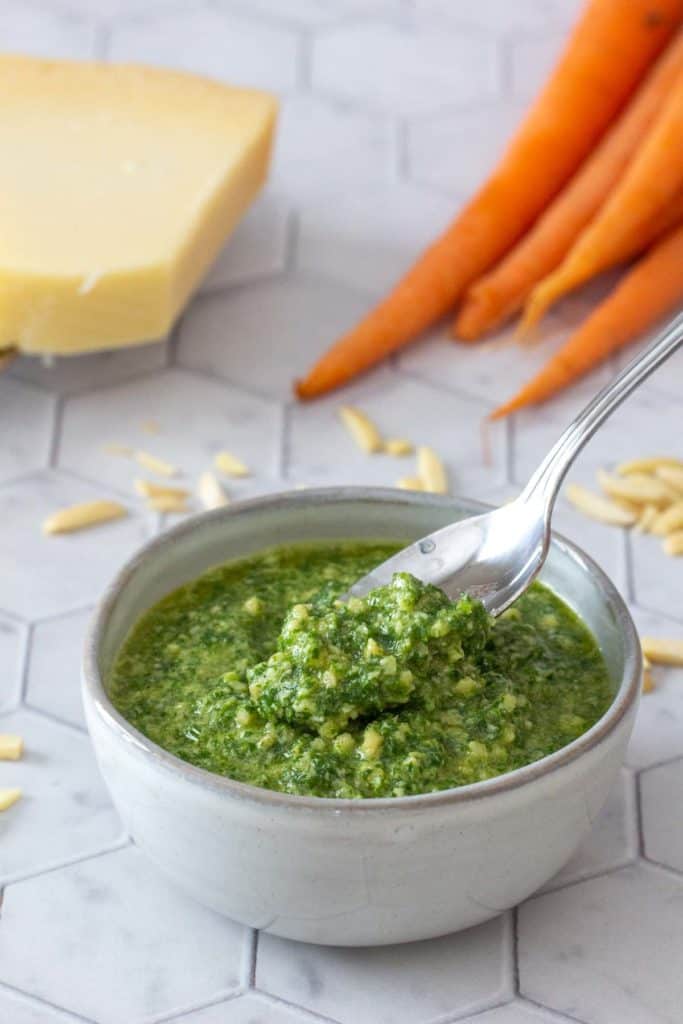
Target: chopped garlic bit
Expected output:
[399,446]
[230,465]
[410,483]
[148,489]
[597,507]
[431,471]
[79,517]
[362,429]
[210,492]
[662,652]
[154,464]
[8,797]
[11,747]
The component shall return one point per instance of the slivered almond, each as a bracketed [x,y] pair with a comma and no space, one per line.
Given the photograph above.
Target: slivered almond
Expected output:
[410,483]
[399,446]
[168,503]
[154,464]
[636,487]
[11,747]
[362,429]
[148,489]
[210,492]
[598,507]
[118,449]
[672,475]
[431,471]
[79,517]
[669,520]
[661,651]
[230,465]
[8,797]
[673,544]
[647,519]
[647,465]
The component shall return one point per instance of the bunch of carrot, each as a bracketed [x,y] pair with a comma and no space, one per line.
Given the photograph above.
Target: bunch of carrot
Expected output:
[593,178]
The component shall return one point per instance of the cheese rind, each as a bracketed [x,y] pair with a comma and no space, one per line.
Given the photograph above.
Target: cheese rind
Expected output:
[119,185]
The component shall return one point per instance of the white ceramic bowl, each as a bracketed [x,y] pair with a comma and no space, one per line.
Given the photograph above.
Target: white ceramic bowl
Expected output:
[351,872]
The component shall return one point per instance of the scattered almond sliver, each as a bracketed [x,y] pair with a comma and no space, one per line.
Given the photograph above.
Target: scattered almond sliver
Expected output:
[598,507]
[8,797]
[410,483]
[672,475]
[154,464]
[210,491]
[151,426]
[362,429]
[647,465]
[80,517]
[673,544]
[431,471]
[148,489]
[118,449]
[637,488]
[230,465]
[648,681]
[11,747]
[399,446]
[669,520]
[168,503]
[647,518]
[661,651]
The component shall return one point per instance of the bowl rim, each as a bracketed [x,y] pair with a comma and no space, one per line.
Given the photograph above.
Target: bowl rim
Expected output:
[626,695]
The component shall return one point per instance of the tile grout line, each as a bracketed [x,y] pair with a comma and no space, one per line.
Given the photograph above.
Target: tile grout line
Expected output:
[30,997]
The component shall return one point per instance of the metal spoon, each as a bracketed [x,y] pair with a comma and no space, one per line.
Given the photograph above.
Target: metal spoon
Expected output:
[495,556]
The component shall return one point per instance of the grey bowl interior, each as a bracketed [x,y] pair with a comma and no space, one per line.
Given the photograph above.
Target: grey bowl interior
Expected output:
[184,552]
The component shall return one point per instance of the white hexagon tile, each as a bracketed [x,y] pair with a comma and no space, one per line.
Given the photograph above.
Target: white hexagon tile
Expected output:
[391,113]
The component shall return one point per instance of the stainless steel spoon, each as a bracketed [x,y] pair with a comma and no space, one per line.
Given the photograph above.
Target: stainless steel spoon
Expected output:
[495,556]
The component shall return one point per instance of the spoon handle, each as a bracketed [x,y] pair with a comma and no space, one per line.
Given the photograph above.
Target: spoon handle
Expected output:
[545,482]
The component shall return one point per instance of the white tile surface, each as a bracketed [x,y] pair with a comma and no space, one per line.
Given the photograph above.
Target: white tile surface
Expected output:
[413,983]
[65,811]
[262,337]
[658,732]
[18,1009]
[31,28]
[518,1012]
[251,1008]
[12,649]
[316,13]
[27,425]
[531,59]
[522,15]
[404,71]
[257,248]
[596,950]
[216,43]
[53,682]
[660,790]
[67,376]
[142,948]
[43,575]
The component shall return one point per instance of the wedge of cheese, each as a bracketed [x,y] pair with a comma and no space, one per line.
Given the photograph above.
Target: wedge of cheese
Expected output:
[118,186]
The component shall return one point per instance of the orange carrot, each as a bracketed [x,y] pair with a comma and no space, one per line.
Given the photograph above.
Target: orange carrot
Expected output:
[502,292]
[608,52]
[647,187]
[652,288]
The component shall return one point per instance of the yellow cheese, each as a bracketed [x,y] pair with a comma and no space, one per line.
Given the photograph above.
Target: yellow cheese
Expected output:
[118,186]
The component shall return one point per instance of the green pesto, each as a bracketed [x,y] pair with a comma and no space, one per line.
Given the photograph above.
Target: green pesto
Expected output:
[256,671]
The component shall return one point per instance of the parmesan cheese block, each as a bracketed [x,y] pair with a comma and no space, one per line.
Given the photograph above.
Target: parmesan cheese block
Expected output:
[118,186]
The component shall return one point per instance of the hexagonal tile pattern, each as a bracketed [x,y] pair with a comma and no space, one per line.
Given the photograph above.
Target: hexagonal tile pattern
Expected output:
[54,667]
[72,568]
[518,1012]
[522,16]
[251,1008]
[196,418]
[435,145]
[660,789]
[531,60]
[404,71]
[658,732]
[17,1009]
[353,149]
[12,643]
[581,950]
[65,811]
[223,45]
[257,248]
[427,979]
[315,13]
[29,28]
[612,840]
[400,407]
[263,337]
[367,239]
[117,913]
[98,369]
[27,427]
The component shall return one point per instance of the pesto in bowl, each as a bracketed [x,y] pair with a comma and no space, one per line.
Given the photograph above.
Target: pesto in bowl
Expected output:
[257,672]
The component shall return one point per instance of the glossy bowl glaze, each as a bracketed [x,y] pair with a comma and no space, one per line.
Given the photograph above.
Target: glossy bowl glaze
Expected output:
[352,872]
